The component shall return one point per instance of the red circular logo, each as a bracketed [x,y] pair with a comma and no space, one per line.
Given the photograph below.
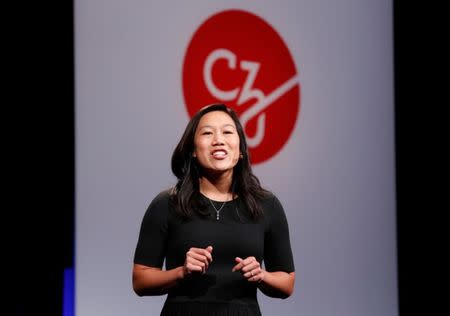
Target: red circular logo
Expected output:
[237,58]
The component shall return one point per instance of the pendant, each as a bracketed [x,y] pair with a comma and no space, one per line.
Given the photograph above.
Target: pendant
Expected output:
[217,210]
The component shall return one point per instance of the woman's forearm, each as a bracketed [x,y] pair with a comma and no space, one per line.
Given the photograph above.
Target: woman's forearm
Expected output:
[277,284]
[153,281]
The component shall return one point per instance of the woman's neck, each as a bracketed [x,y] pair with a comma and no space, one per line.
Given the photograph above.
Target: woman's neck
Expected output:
[217,188]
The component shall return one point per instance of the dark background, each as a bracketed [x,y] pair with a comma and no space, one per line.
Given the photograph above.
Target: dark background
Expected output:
[39,134]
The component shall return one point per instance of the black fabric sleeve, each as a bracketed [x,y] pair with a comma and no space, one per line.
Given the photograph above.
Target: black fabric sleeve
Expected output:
[152,242]
[277,244]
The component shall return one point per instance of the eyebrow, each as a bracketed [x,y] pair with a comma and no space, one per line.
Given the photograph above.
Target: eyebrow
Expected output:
[223,126]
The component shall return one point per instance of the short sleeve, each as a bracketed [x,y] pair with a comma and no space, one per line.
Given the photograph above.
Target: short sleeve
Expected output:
[152,242]
[277,244]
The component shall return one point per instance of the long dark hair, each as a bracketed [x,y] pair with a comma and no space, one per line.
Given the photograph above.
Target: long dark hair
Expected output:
[187,197]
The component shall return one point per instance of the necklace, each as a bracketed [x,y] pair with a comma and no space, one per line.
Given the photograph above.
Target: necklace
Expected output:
[217,210]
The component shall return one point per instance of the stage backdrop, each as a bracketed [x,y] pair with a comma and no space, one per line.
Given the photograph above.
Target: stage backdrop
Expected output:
[312,82]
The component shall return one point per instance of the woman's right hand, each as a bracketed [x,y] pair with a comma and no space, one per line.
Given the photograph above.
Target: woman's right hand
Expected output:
[197,260]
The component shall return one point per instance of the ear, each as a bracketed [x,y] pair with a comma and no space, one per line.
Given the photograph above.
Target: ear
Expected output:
[241,156]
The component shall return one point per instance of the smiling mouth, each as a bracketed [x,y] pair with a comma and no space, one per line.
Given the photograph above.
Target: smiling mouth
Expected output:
[219,154]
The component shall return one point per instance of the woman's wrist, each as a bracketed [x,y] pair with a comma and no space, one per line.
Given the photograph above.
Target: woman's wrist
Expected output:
[180,272]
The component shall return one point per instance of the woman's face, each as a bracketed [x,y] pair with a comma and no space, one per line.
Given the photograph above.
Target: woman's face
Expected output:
[216,142]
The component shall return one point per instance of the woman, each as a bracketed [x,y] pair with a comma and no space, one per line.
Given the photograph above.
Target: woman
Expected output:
[215,228]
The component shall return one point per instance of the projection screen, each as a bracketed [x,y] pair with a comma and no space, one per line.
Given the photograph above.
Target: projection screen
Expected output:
[322,87]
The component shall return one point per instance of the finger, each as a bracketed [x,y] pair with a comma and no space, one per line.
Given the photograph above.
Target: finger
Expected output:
[193,268]
[202,252]
[239,264]
[197,263]
[253,273]
[198,256]
[198,260]
[205,252]
[245,262]
[249,260]
[251,266]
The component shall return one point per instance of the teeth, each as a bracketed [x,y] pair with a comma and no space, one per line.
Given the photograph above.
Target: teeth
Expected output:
[219,154]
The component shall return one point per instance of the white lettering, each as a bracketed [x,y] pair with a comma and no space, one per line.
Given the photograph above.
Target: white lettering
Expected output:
[247,93]
[207,74]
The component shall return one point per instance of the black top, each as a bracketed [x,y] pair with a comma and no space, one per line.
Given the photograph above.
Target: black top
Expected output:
[164,235]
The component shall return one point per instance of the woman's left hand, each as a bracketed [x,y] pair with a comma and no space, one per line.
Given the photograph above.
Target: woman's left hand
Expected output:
[250,269]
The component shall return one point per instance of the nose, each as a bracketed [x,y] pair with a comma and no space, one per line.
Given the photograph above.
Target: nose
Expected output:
[217,139]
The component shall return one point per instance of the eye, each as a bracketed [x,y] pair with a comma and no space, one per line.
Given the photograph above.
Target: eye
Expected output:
[228,132]
[207,133]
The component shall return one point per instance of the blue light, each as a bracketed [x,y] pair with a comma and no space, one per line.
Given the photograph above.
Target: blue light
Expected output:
[69,292]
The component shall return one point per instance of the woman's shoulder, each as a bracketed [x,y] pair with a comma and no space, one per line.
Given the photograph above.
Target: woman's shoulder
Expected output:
[272,205]
[268,198]
[163,196]
[161,200]
[159,208]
